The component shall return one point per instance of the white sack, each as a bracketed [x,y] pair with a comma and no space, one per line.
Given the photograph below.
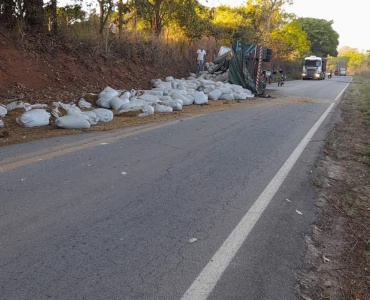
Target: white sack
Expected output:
[117,102]
[175,104]
[73,122]
[104,115]
[215,94]
[162,108]
[1,123]
[92,117]
[34,118]
[147,111]
[200,98]
[125,95]
[3,110]
[227,97]
[13,105]
[82,103]
[105,96]
[178,95]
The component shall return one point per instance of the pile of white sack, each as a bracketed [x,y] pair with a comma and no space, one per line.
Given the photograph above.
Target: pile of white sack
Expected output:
[166,96]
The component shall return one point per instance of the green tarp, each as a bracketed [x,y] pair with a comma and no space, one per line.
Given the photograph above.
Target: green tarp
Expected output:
[238,73]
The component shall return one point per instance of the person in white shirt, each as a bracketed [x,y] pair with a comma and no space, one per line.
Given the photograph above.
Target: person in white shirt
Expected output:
[201,53]
[113,27]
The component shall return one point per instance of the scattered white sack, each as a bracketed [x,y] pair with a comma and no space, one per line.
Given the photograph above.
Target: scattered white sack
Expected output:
[34,118]
[169,78]
[236,88]
[240,96]
[162,108]
[117,102]
[13,105]
[55,112]
[200,98]
[3,110]
[130,108]
[215,94]
[209,89]
[206,83]
[176,104]
[125,95]
[227,97]
[225,90]
[147,111]
[82,103]
[156,93]
[73,122]
[178,95]
[188,100]
[133,93]
[71,109]
[1,123]
[221,77]
[149,98]
[105,96]
[104,115]
[28,106]
[92,117]
[165,98]
[163,85]
[191,85]
[134,105]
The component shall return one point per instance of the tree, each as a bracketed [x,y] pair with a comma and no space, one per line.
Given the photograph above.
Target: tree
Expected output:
[6,11]
[322,37]
[34,13]
[264,17]
[106,8]
[290,42]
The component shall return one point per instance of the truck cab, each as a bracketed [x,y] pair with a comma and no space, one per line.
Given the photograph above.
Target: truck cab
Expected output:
[314,68]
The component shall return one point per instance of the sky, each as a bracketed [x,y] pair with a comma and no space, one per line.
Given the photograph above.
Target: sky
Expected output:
[349,17]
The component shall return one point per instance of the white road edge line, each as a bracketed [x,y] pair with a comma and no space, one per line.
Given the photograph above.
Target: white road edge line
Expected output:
[204,284]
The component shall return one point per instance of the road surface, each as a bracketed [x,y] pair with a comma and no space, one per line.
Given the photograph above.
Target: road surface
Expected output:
[209,207]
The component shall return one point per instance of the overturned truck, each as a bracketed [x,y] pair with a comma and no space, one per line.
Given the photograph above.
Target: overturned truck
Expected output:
[243,64]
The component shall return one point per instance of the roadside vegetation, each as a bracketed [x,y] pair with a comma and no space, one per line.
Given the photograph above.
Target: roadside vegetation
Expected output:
[168,32]
[338,259]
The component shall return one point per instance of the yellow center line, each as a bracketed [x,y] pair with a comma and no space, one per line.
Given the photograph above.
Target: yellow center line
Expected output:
[43,154]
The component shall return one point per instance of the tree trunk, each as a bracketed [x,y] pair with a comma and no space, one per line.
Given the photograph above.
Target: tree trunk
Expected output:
[8,9]
[34,12]
[157,18]
[120,21]
[54,22]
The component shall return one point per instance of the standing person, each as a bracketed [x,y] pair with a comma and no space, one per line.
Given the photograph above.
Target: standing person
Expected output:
[113,27]
[201,53]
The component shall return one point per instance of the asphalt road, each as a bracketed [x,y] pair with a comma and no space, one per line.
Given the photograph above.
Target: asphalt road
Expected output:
[210,207]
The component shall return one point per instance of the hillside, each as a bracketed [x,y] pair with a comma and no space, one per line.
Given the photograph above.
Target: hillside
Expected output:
[40,69]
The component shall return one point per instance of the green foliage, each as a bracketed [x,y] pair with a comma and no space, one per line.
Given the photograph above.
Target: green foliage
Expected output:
[289,42]
[231,24]
[365,101]
[322,37]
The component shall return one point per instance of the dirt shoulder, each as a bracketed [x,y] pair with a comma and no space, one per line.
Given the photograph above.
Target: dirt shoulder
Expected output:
[338,256]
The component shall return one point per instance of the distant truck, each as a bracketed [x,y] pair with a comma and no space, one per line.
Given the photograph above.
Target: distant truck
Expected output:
[340,70]
[314,67]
